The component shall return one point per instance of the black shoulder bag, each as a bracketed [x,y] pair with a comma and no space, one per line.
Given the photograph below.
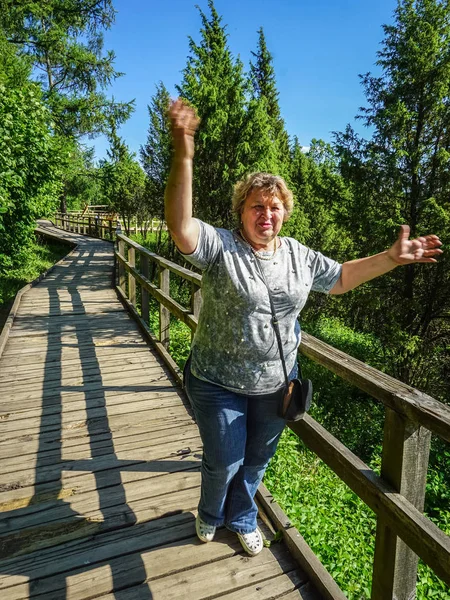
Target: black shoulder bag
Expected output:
[296,395]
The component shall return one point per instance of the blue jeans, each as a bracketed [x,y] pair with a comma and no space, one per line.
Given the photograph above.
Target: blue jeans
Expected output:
[240,435]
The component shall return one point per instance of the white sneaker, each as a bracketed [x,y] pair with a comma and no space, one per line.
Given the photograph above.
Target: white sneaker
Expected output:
[205,532]
[252,542]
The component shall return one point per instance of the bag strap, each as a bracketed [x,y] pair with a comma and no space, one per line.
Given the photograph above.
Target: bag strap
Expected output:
[274,322]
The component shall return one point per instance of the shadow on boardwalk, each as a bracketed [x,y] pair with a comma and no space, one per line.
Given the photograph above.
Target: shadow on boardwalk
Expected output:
[48,518]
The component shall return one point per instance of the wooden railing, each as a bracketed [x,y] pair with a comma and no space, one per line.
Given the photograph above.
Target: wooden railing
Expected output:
[101,224]
[94,226]
[397,496]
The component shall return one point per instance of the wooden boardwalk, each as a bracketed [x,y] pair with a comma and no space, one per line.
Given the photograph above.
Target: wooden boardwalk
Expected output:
[100,457]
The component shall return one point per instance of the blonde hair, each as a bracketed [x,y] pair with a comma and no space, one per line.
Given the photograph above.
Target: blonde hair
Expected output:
[271,184]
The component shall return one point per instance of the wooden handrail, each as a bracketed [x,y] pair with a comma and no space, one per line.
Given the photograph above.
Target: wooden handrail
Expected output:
[403,399]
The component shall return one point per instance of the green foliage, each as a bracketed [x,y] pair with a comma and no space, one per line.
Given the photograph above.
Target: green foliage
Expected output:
[214,83]
[236,132]
[123,180]
[40,257]
[401,176]
[336,524]
[155,157]
[63,40]
[28,170]
[81,179]
[262,76]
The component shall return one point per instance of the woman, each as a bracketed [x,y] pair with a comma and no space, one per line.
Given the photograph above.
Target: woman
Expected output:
[235,369]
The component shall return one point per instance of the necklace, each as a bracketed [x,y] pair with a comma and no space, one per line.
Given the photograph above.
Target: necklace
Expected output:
[257,253]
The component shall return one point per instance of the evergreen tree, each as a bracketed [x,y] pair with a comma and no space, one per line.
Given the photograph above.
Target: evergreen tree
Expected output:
[234,133]
[214,83]
[401,175]
[123,180]
[156,153]
[262,75]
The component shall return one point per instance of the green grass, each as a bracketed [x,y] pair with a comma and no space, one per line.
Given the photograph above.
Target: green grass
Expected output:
[40,258]
[336,524]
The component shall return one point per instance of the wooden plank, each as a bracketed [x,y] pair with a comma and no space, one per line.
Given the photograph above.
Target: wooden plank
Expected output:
[164,397]
[26,312]
[17,348]
[145,307]
[33,323]
[288,586]
[164,314]
[148,497]
[196,582]
[104,462]
[413,404]
[120,267]
[163,298]
[100,427]
[56,371]
[181,271]
[74,358]
[31,443]
[89,417]
[154,388]
[93,377]
[418,532]
[141,383]
[77,553]
[131,279]
[73,485]
[96,447]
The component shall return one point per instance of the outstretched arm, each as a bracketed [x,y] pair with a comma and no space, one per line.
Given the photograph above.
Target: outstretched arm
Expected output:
[178,196]
[403,252]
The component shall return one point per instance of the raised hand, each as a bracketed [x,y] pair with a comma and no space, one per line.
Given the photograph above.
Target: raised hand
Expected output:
[422,250]
[184,123]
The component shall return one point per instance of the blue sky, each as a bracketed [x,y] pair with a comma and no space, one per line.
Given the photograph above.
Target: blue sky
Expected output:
[319,48]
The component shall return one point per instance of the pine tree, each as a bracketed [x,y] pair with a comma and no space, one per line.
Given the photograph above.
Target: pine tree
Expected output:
[123,179]
[262,75]
[214,83]
[156,153]
[401,176]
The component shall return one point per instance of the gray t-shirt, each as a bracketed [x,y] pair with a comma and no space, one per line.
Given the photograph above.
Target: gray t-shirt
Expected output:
[235,345]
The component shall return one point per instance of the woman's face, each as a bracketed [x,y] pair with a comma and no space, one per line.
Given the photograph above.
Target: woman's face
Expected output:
[262,217]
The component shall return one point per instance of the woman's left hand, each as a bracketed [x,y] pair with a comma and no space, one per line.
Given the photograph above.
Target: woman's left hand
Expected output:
[423,249]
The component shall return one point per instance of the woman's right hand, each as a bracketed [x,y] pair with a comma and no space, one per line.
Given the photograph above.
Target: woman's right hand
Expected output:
[184,123]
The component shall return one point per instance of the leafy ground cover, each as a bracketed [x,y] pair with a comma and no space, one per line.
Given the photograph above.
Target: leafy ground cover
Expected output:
[41,257]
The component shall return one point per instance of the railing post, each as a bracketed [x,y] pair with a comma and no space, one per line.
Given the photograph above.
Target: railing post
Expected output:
[406,447]
[110,230]
[145,311]
[164,313]
[121,268]
[196,302]
[131,279]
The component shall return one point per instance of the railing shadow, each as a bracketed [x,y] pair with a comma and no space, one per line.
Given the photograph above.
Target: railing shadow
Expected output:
[50,513]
